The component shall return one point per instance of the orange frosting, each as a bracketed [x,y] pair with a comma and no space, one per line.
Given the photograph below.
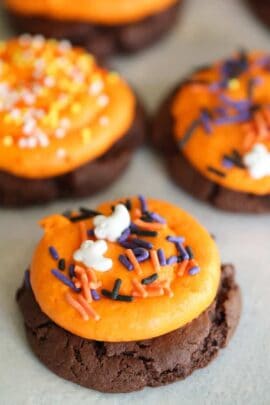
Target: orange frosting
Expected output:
[177,299]
[97,11]
[58,108]
[204,149]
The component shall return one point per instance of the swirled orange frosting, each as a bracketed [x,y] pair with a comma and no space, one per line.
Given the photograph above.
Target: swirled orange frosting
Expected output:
[96,11]
[220,115]
[179,294]
[58,108]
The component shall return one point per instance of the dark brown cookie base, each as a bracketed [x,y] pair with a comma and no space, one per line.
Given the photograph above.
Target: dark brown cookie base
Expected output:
[187,177]
[84,181]
[101,40]
[126,367]
[262,9]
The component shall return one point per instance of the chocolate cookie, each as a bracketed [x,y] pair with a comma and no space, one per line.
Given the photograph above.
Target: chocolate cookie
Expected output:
[229,169]
[101,40]
[125,367]
[262,9]
[84,181]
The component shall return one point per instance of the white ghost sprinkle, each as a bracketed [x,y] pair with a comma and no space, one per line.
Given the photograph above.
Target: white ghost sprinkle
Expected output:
[91,255]
[111,227]
[258,161]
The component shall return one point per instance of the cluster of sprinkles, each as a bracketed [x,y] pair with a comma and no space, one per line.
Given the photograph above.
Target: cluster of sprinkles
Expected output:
[253,118]
[84,285]
[43,87]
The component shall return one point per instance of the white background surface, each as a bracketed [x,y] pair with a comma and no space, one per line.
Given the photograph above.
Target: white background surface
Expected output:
[208,30]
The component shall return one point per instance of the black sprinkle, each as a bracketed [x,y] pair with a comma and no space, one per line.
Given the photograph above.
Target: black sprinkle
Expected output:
[62,264]
[125,298]
[150,279]
[88,211]
[140,232]
[190,252]
[128,205]
[67,214]
[116,288]
[193,126]
[112,208]
[216,171]
[106,293]
[236,159]
[146,217]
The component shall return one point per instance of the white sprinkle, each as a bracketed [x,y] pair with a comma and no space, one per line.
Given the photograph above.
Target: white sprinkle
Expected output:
[103,100]
[32,142]
[96,87]
[15,113]
[29,126]
[60,133]
[104,121]
[64,123]
[64,45]
[42,139]
[49,81]
[38,41]
[25,39]
[28,98]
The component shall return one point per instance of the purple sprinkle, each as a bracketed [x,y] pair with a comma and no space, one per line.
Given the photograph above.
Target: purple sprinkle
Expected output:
[241,105]
[214,86]
[95,295]
[172,260]
[124,260]
[142,243]
[157,218]
[125,234]
[71,270]
[141,254]
[27,279]
[143,203]
[90,232]
[128,245]
[206,121]
[176,239]
[161,257]
[64,280]
[194,270]
[53,253]
[182,251]
[227,163]
[133,227]
[233,119]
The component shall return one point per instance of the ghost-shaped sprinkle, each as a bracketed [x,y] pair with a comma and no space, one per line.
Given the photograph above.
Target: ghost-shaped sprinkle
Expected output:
[111,227]
[91,255]
[258,161]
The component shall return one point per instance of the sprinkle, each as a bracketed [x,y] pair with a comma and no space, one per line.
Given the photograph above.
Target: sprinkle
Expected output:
[141,254]
[81,217]
[64,279]
[89,310]
[155,226]
[76,305]
[95,295]
[216,171]
[128,205]
[91,275]
[116,288]
[62,264]
[139,232]
[155,260]
[157,218]
[206,121]
[106,293]
[182,251]
[161,257]
[125,234]
[190,252]
[89,212]
[182,268]
[85,287]
[128,244]
[134,261]
[150,279]
[53,252]
[139,288]
[104,121]
[188,134]
[176,239]
[194,270]
[124,260]
[156,292]
[71,271]
[142,243]
[143,203]
[83,231]
[124,298]
[61,153]
[172,260]
[103,100]
[27,282]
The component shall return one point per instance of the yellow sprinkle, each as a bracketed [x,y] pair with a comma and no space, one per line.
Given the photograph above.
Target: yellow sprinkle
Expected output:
[7,140]
[234,84]
[113,77]
[76,108]
[86,135]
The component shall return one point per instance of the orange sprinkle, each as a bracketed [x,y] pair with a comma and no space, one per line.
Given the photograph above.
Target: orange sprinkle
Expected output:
[77,283]
[250,137]
[260,125]
[266,113]
[83,231]
[168,291]
[79,270]
[91,274]
[86,288]
[148,226]
[76,305]
[134,261]
[156,293]
[96,285]
[140,288]
[90,311]
[155,260]
[182,268]
[137,213]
